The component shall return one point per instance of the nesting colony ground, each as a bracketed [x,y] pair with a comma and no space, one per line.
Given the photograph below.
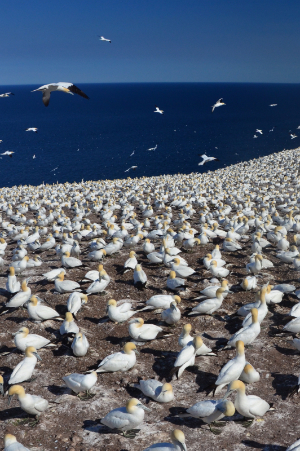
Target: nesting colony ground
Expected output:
[254,190]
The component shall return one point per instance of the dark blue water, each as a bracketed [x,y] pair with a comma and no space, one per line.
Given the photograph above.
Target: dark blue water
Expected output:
[92,139]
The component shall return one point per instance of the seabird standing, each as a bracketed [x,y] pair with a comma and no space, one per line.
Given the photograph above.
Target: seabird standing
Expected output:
[69,88]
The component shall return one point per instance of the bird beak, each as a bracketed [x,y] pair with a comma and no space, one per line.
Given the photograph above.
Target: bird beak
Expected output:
[37,356]
[183,446]
[227,394]
[9,400]
[136,351]
[146,408]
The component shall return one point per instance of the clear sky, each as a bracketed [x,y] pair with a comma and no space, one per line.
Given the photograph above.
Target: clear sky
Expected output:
[152,41]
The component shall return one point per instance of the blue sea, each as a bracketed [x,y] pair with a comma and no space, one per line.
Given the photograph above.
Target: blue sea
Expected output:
[93,139]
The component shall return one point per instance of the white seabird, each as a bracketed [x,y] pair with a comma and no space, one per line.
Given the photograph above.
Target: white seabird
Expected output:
[157,110]
[218,103]
[132,167]
[66,87]
[31,129]
[102,38]
[206,159]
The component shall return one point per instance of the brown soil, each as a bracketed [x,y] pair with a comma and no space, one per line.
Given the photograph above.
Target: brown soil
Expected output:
[73,424]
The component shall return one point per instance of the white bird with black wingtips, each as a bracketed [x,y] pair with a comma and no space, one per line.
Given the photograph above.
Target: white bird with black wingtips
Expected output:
[61,86]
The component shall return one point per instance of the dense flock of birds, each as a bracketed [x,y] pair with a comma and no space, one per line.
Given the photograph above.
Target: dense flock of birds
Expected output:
[233,207]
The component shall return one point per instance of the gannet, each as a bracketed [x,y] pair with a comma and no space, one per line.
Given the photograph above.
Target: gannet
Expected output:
[152,148]
[157,110]
[174,283]
[102,38]
[186,357]
[233,369]
[262,309]
[126,418]
[81,382]
[80,345]
[23,339]
[32,404]
[51,275]
[217,104]
[185,338]
[39,312]
[76,301]
[120,361]
[144,332]
[64,286]
[250,406]
[19,298]
[139,278]
[206,159]
[249,374]
[24,370]
[247,334]
[70,262]
[210,305]
[172,314]
[66,87]
[178,443]
[99,285]
[210,411]
[131,167]
[119,313]
[68,325]
[7,94]
[11,444]
[31,129]
[259,131]
[160,301]
[156,390]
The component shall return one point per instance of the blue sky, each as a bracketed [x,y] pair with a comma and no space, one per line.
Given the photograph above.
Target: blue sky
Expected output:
[152,41]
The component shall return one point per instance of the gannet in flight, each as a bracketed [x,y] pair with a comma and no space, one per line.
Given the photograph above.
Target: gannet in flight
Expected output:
[259,131]
[1,140]
[9,153]
[255,136]
[132,153]
[206,159]
[33,156]
[69,88]
[152,148]
[218,103]
[157,110]
[102,38]
[293,136]
[273,104]
[31,129]
[132,167]
[7,94]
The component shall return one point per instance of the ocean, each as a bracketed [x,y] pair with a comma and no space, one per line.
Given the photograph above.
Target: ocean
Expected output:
[93,139]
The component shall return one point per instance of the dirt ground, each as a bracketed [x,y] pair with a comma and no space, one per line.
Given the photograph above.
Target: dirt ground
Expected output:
[72,424]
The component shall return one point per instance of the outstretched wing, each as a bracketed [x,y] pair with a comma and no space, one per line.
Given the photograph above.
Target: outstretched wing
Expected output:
[46,98]
[78,91]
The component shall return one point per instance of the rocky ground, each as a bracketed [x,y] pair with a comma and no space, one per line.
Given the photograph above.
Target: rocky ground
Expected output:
[73,424]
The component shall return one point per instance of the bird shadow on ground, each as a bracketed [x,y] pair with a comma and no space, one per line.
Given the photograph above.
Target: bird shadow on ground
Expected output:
[58,390]
[117,340]
[205,380]
[163,361]
[96,426]
[263,446]
[14,412]
[286,351]
[16,319]
[189,422]
[283,384]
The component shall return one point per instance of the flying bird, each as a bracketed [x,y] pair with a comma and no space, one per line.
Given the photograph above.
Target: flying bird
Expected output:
[218,103]
[31,129]
[293,136]
[54,169]
[132,153]
[9,153]
[273,104]
[152,148]
[255,136]
[102,38]
[68,88]
[206,159]
[132,167]
[157,110]
[259,131]
[33,157]
[7,94]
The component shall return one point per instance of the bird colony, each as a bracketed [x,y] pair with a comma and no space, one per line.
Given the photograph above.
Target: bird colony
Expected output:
[154,313]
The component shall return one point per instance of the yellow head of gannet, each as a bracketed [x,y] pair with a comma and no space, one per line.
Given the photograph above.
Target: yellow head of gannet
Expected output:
[130,347]
[167,388]
[61,276]
[133,404]
[131,254]
[69,317]
[198,342]
[177,437]
[15,390]
[240,347]
[172,275]
[187,329]
[30,351]
[33,300]
[177,299]
[100,268]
